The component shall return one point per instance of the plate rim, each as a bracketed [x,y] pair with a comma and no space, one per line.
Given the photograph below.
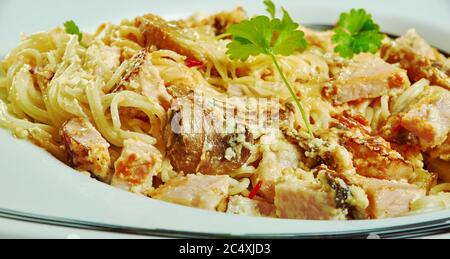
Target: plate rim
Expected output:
[412,230]
[40,218]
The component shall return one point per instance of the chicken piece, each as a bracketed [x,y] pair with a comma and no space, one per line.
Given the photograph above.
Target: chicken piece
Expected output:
[438,161]
[297,200]
[325,150]
[388,199]
[367,76]
[348,149]
[443,151]
[86,149]
[416,56]
[429,118]
[350,198]
[171,36]
[277,155]
[250,207]
[142,77]
[323,198]
[441,167]
[220,22]
[197,46]
[374,157]
[198,191]
[136,166]
[202,138]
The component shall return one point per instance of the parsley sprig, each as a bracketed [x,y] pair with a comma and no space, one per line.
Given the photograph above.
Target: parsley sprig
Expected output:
[271,8]
[355,33]
[72,28]
[272,37]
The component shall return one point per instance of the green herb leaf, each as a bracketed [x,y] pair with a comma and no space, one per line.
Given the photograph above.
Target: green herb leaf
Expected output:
[262,35]
[242,49]
[289,37]
[270,8]
[72,28]
[355,33]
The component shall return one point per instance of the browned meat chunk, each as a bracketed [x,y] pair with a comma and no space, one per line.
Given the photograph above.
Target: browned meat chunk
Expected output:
[418,58]
[278,156]
[142,77]
[198,191]
[199,139]
[169,35]
[441,167]
[429,118]
[87,150]
[298,200]
[327,197]
[438,161]
[442,151]
[367,76]
[388,199]
[374,157]
[136,166]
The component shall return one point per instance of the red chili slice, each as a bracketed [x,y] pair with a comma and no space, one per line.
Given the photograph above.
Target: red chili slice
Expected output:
[192,62]
[397,128]
[255,190]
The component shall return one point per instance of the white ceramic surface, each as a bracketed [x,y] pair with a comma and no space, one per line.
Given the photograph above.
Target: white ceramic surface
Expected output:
[32,181]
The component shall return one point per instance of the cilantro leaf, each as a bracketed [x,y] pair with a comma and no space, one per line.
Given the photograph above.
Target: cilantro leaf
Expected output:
[242,49]
[259,31]
[270,8]
[289,38]
[72,28]
[262,35]
[355,33]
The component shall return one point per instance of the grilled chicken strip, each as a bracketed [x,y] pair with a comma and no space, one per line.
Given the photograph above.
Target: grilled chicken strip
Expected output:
[86,149]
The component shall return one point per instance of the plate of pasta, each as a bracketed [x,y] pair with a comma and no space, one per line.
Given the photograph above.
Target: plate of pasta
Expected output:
[277,119]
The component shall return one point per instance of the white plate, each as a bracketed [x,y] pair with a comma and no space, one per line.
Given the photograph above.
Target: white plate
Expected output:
[37,188]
